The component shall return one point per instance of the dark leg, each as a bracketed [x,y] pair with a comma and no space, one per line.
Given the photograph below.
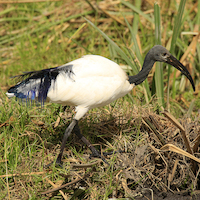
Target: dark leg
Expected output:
[95,153]
[68,132]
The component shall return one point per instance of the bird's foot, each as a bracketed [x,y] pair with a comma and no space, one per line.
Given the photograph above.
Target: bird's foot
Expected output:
[97,154]
[58,160]
[112,152]
[57,163]
[47,166]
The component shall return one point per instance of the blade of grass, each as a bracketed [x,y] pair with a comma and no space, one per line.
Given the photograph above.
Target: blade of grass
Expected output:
[177,25]
[15,19]
[47,26]
[7,11]
[93,8]
[171,147]
[135,25]
[136,17]
[79,29]
[198,23]
[147,92]
[136,47]
[176,30]
[189,112]
[27,1]
[159,69]
[135,9]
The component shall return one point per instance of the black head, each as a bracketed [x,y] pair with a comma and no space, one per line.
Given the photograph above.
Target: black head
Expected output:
[159,53]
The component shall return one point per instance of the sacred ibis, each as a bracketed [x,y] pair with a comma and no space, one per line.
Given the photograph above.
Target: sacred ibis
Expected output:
[88,82]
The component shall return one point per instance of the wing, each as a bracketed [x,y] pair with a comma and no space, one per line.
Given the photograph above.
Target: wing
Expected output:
[35,84]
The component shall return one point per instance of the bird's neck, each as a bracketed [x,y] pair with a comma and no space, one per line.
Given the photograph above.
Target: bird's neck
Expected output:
[142,75]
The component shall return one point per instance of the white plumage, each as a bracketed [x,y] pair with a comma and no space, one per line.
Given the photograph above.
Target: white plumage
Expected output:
[96,81]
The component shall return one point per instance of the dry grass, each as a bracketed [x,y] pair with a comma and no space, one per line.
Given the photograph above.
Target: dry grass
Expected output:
[143,167]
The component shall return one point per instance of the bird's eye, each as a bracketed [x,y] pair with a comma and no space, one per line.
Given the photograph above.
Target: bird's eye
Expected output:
[164,54]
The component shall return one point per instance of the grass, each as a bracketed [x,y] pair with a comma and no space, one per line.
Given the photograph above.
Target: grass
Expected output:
[41,35]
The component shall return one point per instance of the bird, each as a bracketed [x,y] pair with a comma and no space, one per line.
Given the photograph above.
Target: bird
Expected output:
[86,83]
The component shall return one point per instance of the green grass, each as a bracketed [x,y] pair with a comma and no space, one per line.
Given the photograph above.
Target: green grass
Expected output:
[34,36]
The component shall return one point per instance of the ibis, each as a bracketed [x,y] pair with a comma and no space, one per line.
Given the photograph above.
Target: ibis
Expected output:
[88,82]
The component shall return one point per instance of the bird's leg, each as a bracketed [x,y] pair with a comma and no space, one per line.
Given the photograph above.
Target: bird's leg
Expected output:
[67,133]
[95,153]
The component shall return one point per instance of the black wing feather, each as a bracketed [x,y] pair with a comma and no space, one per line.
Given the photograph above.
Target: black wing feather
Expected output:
[37,83]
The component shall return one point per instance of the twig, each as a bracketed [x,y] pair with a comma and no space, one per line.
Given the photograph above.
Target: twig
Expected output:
[54,185]
[187,144]
[197,141]
[86,165]
[177,124]
[157,134]
[27,1]
[6,122]
[171,175]
[22,174]
[149,189]
[171,147]
[58,120]
[7,183]
[155,123]
[65,185]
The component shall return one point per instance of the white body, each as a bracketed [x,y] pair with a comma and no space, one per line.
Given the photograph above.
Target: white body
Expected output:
[94,81]
[97,81]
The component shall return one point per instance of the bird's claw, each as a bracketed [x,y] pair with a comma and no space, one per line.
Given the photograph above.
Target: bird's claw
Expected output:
[57,163]
[97,154]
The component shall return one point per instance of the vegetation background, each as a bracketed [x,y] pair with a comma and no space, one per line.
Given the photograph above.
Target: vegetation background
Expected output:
[38,34]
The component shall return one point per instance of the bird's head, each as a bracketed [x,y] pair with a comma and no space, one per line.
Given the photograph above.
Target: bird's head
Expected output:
[160,54]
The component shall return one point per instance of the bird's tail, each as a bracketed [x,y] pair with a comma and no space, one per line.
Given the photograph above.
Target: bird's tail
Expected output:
[35,84]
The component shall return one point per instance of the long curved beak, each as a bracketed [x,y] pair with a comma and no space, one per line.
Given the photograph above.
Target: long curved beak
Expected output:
[178,65]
